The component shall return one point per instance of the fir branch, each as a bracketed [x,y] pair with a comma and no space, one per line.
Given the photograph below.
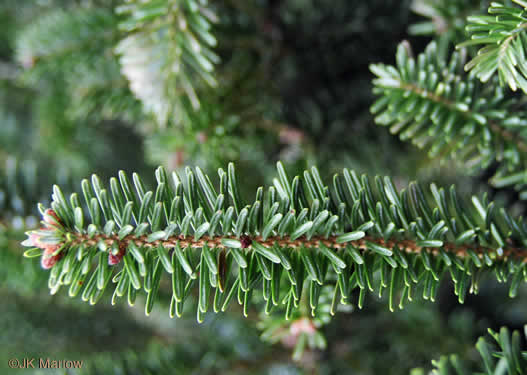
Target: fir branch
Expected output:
[24,181]
[333,242]
[507,358]
[446,18]
[62,38]
[167,55]
[300,231]
[469,115]
[503,35]
[303,330]
[72,51]
[432,103]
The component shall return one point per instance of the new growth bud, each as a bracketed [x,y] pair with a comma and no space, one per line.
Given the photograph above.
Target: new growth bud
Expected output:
[114,259]
[48,259]
[245,241]
[51,218]
[45,238]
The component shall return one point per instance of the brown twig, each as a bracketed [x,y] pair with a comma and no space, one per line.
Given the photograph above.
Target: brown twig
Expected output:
[408,246]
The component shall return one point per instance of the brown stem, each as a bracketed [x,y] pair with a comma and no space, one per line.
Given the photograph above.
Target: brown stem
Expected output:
[408,246]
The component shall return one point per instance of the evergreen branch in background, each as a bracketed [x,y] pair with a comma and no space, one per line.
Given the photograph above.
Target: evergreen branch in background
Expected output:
[445,18]
[216,347]
[70,52]
[24,181]
[98,91]
[167,55]
[303,329]
[429,101]
[300,233]
[506,359]
[502,34]
[59,39]
[225,125]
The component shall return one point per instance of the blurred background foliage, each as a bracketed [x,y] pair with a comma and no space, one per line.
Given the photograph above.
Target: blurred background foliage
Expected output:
[94,86]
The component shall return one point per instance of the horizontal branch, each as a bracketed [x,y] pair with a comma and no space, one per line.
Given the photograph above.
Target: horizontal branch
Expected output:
[408,246]
[297,234]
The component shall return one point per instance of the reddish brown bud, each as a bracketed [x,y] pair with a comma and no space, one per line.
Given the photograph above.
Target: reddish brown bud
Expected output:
[52,213]
[51,218]
[34,238]
[48,260]
[245,241]
[302,325]
[114,259]
[49,249]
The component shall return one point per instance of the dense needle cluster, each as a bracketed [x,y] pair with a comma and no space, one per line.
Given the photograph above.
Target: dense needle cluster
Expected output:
[297,236]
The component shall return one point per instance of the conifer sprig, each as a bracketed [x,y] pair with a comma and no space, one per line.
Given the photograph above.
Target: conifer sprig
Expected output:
[60,38]
[167,55]
[297,234]
[444,18]
[72,50]
[503,356]
[502,34]
[24,181]
[432,103]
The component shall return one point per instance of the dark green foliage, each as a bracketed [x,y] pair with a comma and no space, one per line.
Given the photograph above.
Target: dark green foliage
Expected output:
[72,50]
[430,102]
[33,322]
[324,83]
[67,82]
[217,346]
[445,18]
[47,324]
[504,356]
[23,181]
[302,330]
[45,39]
